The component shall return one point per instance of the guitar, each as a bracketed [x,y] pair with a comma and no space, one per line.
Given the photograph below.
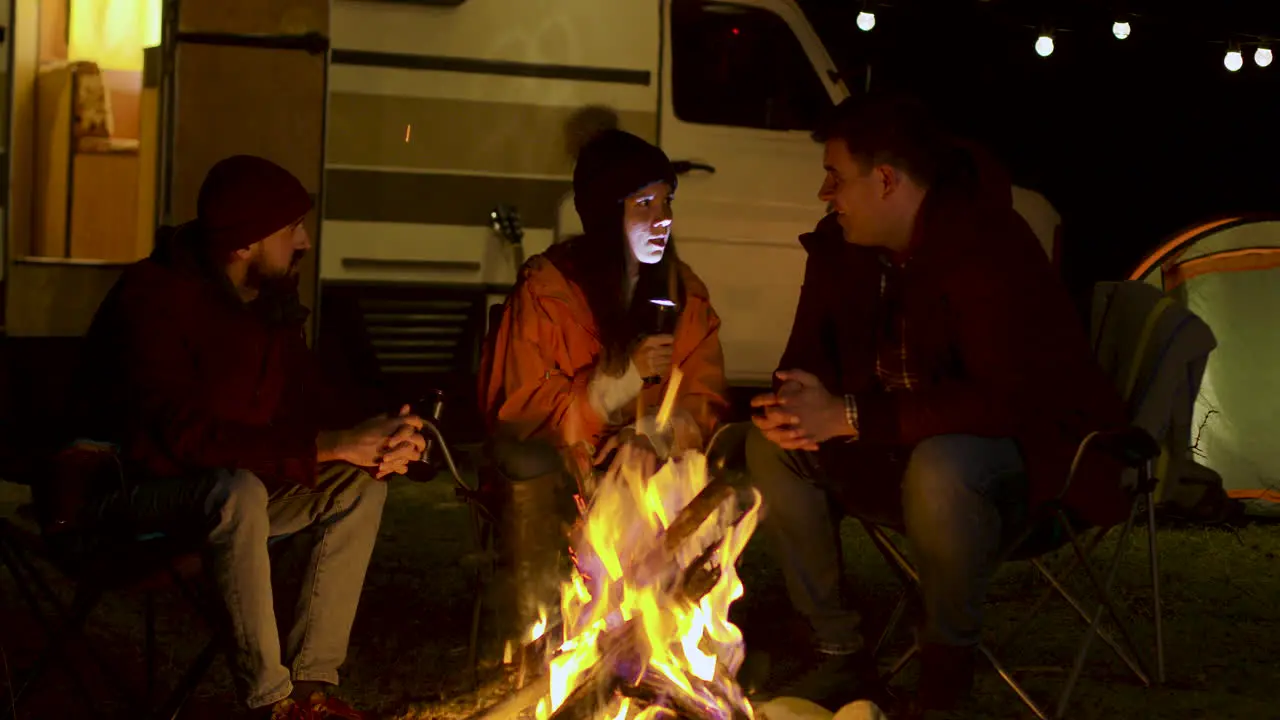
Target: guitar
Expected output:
[505,221]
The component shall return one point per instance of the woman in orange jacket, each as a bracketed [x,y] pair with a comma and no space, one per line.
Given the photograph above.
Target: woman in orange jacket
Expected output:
[586,337]
[582,341]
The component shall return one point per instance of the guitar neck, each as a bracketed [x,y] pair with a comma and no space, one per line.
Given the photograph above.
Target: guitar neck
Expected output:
[517,252]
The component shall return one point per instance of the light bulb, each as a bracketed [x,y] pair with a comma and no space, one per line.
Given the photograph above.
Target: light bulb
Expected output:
[1233,61]
[1262,56]
[1044,45]
[866,21]
[1120,29]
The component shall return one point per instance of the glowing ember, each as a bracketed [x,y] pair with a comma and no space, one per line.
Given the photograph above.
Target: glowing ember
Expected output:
[646,609]
[539,627]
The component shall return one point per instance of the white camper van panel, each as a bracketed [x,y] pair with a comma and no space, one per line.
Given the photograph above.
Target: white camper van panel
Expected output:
[743,86]
[436,114]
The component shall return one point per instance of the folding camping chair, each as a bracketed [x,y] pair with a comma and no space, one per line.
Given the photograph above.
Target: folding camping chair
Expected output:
[1140,452]
[146,563]
[1055,527]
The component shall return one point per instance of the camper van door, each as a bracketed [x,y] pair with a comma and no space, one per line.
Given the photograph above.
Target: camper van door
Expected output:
[743,84]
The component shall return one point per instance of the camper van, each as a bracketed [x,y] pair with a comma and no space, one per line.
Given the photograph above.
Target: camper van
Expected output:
[438,111]
[434,134]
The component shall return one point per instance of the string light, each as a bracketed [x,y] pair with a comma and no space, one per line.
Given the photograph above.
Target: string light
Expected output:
[1233,60]
[1044,44]
[1122,29]
[866,19]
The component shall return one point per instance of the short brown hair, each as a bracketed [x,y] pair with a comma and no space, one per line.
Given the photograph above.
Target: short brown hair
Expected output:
[895,130]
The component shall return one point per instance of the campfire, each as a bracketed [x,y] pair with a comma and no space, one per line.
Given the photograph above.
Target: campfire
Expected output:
[644,628]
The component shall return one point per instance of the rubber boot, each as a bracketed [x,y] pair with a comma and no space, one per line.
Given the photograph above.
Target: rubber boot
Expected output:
[533,543]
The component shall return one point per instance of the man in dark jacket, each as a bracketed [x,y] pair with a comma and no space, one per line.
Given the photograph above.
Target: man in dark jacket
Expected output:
[936,379]
[197,370]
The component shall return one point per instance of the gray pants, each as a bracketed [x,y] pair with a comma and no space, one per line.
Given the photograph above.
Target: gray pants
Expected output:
[237,516]
[957,495]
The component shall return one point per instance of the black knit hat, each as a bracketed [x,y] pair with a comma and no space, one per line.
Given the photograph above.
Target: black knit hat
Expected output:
[244,199]
[611,166]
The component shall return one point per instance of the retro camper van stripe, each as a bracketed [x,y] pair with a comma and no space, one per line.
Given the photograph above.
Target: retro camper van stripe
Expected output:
[428,145]
[438,198]
[482,66]
[428,133]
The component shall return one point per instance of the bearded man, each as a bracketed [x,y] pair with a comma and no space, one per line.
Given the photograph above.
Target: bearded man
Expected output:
[198,376]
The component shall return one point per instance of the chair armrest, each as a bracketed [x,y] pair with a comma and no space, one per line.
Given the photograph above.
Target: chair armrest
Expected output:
[1132,446]
[79,472]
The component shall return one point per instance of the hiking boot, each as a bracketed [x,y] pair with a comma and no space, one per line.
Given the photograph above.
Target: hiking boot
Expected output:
[946,676]
[285,709]
[323,707]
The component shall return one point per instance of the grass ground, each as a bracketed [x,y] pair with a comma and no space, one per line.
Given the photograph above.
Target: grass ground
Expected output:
[408,648]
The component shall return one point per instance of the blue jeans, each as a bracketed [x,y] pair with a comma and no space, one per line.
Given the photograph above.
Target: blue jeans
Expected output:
[237,516]
[956,497]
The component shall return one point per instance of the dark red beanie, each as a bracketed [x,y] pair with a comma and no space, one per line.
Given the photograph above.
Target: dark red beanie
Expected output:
[245,198]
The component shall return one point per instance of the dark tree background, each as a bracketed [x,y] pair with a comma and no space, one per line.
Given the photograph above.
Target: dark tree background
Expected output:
[1131,140]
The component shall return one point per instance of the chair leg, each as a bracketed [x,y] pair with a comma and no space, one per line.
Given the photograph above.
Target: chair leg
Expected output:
[900,663]
[1104,595]
[190,681]
[1070,567]
[1013,683]
[1104,591]
[484,536]
[1056,584]
[890,551]
[1155,585]
[25,577]
[149,643]
[895,617]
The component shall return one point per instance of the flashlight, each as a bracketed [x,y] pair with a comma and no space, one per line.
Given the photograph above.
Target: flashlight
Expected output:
[664,323]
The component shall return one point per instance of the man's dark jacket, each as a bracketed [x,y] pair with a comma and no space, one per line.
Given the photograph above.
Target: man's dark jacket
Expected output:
[185,377]
[994,343]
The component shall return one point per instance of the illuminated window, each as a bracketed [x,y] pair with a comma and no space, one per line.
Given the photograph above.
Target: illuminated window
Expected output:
[113,33]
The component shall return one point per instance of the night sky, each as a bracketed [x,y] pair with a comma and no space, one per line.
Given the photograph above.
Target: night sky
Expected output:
[1131,140]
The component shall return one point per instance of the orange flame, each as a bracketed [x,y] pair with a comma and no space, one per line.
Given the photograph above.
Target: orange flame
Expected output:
[689,643]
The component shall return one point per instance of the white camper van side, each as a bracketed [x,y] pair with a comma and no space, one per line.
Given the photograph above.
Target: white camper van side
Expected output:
[438,112]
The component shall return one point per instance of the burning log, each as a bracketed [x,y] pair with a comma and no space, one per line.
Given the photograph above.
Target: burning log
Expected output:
[662,557]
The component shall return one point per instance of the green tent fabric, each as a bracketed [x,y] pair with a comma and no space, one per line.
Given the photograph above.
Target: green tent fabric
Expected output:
[1227,272]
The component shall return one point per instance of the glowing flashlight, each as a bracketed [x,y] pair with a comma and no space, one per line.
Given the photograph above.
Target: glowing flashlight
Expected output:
[664,323]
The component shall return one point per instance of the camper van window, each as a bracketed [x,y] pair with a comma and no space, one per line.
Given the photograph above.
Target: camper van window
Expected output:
[741,66]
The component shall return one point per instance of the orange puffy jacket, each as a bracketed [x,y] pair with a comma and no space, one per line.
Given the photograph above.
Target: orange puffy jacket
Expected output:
[537,365]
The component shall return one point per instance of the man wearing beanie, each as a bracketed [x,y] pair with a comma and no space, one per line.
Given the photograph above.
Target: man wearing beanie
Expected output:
[198,373]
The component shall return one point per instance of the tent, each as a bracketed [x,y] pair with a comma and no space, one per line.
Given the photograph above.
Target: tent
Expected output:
[1227,272]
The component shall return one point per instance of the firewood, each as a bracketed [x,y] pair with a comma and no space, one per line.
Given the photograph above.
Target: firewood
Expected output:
[590,697]
[518,702]
[621,648]
[661,558]
[657,689]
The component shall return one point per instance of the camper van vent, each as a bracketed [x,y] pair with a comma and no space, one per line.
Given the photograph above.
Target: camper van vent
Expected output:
[406,339]
[418,336]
